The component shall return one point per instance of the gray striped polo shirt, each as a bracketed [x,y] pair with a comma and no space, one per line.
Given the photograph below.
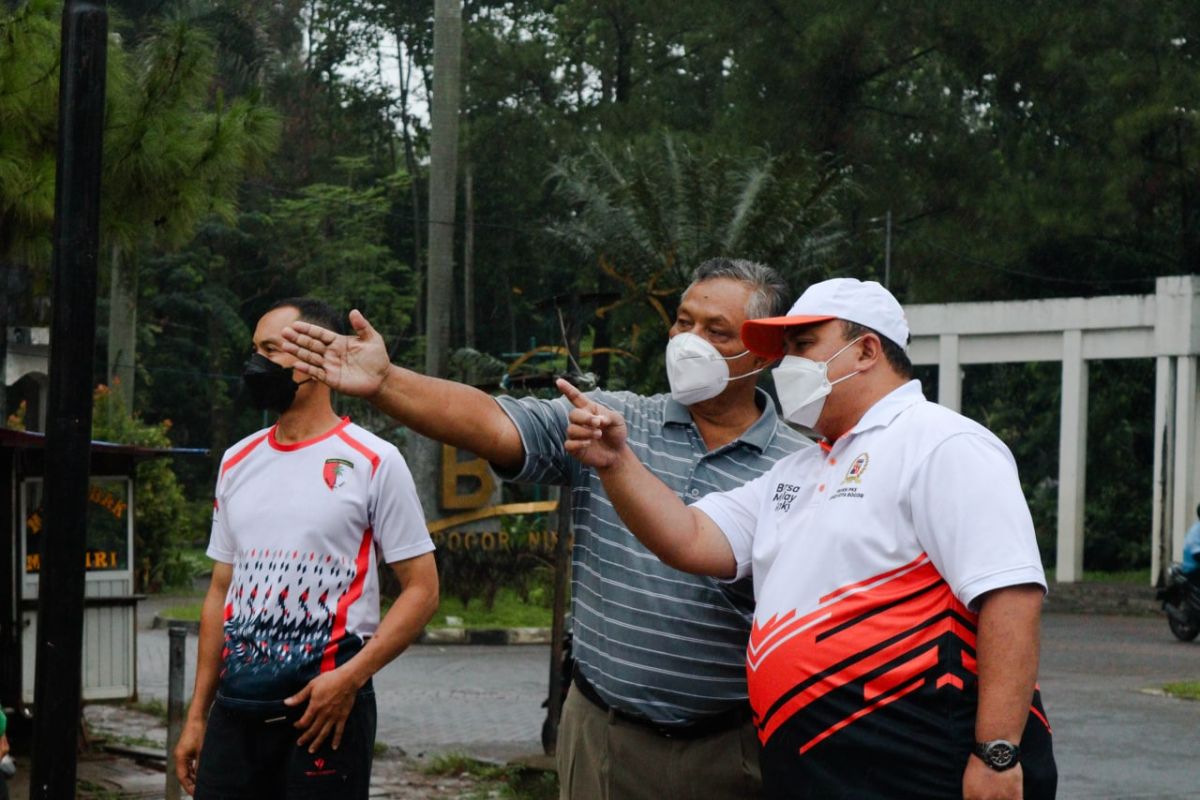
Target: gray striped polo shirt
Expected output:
[652,640]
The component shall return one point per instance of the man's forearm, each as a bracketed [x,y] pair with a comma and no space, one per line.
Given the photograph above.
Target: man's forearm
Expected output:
[208,657]
[400,627]
[1007,648]
[450,412]
[681,537]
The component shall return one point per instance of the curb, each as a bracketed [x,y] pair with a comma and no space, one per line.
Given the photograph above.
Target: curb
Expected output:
[492,636]
[1124,599]
[438,636]
[160,622]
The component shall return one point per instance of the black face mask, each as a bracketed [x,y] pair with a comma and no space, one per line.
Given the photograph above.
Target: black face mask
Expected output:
[270,386]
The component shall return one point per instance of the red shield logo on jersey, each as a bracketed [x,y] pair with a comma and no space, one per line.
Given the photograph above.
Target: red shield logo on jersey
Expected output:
[335,472]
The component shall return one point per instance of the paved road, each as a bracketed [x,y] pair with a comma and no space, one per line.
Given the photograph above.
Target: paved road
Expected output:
[1113,739]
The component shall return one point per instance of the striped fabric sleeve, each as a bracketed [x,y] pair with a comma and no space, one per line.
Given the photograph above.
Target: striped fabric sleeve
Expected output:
[542,425]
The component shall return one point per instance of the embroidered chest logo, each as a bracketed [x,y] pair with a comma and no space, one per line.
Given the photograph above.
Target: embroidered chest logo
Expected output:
[852,483]
[857,468]
[785,494]
[335,472]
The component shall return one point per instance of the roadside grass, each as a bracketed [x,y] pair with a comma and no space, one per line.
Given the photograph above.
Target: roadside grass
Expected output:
[91,790]
[1187,690]
[508,782]
[188,612]
[509,611]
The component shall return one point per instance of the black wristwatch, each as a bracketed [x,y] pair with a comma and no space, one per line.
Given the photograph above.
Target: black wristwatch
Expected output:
[999,754]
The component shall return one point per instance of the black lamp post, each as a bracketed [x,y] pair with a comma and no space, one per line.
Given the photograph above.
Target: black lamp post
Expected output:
[57,687]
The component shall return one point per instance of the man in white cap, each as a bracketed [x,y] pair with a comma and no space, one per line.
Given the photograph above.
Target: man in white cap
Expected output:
[898,584]
[657,707]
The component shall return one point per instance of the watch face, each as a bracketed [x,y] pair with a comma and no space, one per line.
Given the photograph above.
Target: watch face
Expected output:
[1001,754]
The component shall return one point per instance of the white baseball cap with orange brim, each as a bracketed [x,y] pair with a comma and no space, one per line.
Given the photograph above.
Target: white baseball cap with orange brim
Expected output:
[866,303]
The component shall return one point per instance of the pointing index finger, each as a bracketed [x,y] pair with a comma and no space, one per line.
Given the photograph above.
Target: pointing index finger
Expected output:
[571,393]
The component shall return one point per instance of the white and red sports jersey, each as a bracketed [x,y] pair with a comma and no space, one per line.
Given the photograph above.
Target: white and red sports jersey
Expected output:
[304,526]
[867,558]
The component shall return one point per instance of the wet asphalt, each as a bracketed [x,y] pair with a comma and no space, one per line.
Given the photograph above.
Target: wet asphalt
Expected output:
[1116,735]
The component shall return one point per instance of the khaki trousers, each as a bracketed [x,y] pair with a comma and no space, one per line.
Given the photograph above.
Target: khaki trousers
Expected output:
[602,757]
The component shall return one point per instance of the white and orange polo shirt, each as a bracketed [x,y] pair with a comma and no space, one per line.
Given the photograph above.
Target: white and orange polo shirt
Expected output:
[868,557]
[305,526]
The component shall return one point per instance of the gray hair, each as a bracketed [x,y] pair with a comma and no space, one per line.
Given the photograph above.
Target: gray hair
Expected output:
[768,295]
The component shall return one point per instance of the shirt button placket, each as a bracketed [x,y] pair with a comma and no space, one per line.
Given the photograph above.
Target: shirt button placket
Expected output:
[692,491]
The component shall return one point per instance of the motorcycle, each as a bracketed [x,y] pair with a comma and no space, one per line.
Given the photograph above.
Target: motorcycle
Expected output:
[1180,598]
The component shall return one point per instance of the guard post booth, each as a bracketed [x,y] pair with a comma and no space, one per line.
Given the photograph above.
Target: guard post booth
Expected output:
[110,604]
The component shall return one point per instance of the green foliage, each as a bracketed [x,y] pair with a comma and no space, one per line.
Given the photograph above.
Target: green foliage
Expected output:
[521,560]
[509,609]
[334,239]
[168,160]
[1020,404]
[189,612]
[1022,150]
[509,781]
[1188,690]
[28,124]
[649,212]
[163,516]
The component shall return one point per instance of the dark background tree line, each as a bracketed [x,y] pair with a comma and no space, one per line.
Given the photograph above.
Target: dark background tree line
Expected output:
[262,149]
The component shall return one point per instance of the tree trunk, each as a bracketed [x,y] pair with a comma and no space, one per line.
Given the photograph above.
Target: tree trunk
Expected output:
[469,256]
[508,301]
[601,362]
[219,395]
[443,166]
[122,328]
[403,54]
[6,315]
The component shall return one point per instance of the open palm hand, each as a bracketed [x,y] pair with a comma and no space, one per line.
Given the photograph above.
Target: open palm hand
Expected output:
[353,365]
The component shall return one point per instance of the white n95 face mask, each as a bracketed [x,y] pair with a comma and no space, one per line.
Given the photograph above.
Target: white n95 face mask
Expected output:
[803,384]
[695,370]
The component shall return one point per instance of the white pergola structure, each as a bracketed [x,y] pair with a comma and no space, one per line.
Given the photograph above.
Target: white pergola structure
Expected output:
[1164,326]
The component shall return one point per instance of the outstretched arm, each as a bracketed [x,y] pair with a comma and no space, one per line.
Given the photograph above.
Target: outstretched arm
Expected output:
[449,412]
[682,537]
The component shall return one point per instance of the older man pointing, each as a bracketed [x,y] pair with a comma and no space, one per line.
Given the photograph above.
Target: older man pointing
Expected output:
[657,707]
[895,643]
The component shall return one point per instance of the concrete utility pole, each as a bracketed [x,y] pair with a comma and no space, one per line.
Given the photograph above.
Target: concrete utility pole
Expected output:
[887,252]
[57,687]
[424,455]
[443,175]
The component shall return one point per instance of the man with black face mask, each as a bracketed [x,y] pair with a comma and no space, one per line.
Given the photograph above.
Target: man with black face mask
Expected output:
[290,633]
[657,706]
